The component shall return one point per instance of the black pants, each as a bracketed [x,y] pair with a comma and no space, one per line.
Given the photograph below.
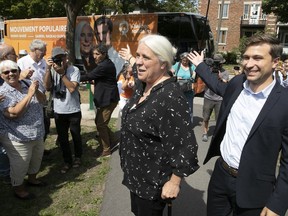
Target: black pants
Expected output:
[63,123]
[143,207]
[222,195]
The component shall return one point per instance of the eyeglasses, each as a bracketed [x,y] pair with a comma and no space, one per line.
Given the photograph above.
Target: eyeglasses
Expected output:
[8,71]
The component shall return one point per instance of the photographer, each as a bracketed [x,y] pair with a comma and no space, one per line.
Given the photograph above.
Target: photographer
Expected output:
[212,100]
[63,80]
[280,72]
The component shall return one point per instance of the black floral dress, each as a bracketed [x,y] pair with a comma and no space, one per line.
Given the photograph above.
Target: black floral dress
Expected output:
[157,140]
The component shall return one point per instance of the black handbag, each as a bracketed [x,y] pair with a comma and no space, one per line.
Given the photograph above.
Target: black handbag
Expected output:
[185,84]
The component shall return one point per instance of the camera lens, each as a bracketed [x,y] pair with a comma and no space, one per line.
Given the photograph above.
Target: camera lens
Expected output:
[57,61]
[60,94]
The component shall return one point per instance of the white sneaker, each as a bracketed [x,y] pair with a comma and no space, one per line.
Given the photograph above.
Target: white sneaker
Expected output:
[205,138]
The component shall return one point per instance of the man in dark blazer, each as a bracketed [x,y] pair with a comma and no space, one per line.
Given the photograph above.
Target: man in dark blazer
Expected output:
[251,132]
[106,95]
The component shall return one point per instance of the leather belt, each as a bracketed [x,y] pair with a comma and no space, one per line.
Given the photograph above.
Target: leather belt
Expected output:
[232,171]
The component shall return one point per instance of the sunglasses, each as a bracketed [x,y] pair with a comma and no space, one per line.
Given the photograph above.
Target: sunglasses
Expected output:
[8,71]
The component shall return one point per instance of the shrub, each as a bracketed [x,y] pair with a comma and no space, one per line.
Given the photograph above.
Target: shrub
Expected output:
[230,57]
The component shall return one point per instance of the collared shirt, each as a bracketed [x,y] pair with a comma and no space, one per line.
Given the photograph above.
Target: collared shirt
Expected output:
[240,120]
[70,102]
[157,140]
[39,69]
[29,126]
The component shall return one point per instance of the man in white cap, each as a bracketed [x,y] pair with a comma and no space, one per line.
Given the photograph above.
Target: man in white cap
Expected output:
[35,61]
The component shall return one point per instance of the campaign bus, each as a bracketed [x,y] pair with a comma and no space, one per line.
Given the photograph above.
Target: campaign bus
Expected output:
[186,31]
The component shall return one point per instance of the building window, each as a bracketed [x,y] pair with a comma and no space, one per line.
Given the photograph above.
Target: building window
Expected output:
[222,36]
[225,10]
[246,12]
[263,16]
[253,11]
[286,39]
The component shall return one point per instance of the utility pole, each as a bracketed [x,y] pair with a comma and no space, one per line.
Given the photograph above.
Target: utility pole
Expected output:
[219,25]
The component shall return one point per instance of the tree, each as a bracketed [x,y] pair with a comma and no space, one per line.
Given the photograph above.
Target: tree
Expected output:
[178,5]
[21,9]
[278,7]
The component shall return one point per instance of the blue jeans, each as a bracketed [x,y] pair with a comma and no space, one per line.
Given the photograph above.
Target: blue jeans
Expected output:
[4,162]
[190,96]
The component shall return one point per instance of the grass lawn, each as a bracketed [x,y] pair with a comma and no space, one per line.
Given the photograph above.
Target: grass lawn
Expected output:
[76,193]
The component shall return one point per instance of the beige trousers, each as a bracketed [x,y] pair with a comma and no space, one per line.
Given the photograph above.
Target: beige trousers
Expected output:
[25,158]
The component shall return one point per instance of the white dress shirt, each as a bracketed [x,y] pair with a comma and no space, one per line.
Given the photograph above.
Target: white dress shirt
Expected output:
[39,69]
[240,120]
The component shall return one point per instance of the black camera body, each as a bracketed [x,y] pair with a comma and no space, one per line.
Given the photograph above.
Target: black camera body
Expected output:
[216,67]
[60,94]
[57,61]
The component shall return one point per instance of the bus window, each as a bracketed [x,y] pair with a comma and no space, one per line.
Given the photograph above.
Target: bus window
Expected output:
[186,31]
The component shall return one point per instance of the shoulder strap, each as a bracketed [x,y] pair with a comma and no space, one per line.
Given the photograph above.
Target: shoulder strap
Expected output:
[191,72]
[26,83]
[178,67]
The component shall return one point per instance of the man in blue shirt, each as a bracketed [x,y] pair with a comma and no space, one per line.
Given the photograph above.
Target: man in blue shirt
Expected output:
[251,131]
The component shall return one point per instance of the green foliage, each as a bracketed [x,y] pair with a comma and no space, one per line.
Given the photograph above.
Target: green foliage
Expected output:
[177,6]
[31,9]
[242,43]
[23,9]
[278,7]
[230,57]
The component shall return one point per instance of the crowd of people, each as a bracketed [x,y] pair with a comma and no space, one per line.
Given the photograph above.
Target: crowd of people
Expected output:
[157,145]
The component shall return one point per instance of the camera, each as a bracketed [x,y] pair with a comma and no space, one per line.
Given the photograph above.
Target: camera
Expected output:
[57,60]
[236,68]
[60,94]
[216,67]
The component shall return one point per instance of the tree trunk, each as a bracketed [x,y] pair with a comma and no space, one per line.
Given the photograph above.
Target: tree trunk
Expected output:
[72,8]
[70,32]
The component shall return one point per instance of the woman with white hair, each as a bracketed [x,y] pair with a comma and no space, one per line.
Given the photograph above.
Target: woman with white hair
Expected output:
[23,131]
[157,147]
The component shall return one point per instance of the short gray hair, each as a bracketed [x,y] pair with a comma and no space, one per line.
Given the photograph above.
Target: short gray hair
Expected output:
[8,64]
[37,44]
[161,47]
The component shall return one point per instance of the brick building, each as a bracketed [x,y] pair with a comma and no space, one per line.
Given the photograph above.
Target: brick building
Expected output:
[240,18]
